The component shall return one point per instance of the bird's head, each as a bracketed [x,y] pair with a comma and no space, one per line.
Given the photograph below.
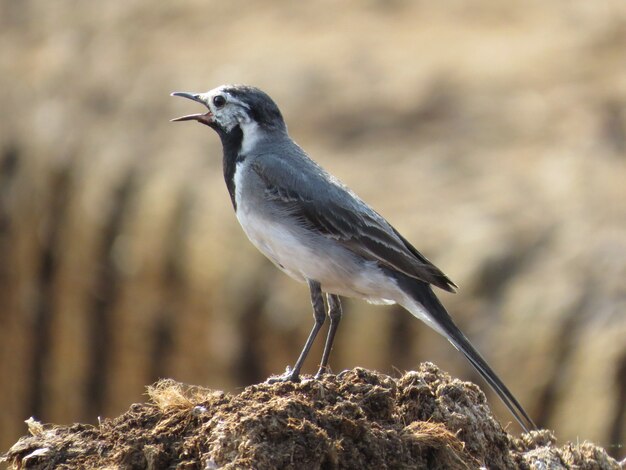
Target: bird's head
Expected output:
[229,106]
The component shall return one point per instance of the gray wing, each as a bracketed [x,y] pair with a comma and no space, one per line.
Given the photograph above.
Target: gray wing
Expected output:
[323,205]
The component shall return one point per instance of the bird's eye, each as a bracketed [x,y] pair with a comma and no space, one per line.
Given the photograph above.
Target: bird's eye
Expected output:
[219,101]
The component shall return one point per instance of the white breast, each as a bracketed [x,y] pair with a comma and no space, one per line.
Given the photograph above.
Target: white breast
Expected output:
[273,240]
[303,255]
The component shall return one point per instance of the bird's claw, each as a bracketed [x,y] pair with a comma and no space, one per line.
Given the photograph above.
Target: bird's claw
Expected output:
[288,376]
[321,373]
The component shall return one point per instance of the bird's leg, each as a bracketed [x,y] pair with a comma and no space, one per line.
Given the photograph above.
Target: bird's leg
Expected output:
[334,314]
[319,315]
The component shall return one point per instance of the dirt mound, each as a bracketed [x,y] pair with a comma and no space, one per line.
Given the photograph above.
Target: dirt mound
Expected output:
[357,419]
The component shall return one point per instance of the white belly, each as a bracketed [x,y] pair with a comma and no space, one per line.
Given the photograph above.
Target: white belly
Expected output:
[281,246]
[335,268]
[308,256]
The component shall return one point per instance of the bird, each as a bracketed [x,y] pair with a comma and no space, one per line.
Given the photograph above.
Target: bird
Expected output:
[318,231]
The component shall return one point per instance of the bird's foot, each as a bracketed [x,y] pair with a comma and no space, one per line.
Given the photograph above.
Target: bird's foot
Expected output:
[324,370]
[288,376]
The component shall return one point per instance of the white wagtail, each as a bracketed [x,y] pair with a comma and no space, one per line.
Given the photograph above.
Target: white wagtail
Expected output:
[318,231]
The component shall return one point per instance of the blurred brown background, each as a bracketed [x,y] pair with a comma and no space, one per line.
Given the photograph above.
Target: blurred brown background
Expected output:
[493,135]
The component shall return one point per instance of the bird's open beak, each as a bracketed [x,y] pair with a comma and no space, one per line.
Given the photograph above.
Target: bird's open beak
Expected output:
[206,118]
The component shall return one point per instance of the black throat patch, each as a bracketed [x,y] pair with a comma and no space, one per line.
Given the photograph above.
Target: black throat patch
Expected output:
[231,143]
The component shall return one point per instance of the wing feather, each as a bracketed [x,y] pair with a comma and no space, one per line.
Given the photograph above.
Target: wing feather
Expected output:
[339,214]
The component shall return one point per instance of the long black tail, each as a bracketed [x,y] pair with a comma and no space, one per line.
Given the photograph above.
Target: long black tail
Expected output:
[423,294]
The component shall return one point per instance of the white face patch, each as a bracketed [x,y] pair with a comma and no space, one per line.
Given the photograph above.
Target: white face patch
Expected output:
[233,113]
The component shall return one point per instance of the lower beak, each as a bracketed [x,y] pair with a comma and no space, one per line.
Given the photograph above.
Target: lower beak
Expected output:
[206,118]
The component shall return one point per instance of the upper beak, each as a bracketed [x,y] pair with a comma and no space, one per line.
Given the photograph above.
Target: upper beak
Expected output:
[206,118]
